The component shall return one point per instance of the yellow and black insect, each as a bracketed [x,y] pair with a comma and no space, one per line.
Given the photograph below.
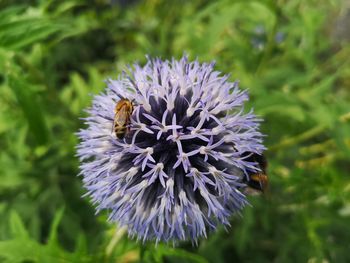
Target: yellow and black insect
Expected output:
[123,110]
[257,182]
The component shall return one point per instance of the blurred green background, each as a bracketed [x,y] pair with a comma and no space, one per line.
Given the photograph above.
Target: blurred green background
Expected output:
[293,57]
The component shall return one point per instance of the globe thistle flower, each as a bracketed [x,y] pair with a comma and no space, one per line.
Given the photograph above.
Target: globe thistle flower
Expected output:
[178,172]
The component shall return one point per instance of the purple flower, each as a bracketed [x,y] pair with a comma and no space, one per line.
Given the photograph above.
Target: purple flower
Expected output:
[178,171]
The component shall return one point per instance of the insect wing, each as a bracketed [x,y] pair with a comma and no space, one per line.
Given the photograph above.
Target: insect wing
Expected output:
[121,116]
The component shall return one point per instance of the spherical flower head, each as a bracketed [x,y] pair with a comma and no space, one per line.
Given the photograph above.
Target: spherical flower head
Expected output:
[177,171]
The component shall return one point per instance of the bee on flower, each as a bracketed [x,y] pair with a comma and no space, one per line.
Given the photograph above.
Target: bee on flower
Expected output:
[178,167]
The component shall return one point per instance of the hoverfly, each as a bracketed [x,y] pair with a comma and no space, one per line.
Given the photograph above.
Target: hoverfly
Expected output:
[258,181]
[123,110]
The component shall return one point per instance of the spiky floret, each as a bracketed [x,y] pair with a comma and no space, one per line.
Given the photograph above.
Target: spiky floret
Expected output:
[178,171]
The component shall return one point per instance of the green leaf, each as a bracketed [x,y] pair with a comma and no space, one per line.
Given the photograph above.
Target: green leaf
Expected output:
[31,108]
[19,34]
[17,227]
[54,226]
[19,250]
[182,254]
[10,12]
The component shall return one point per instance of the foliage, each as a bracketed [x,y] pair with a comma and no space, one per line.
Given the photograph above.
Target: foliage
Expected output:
[53,54]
